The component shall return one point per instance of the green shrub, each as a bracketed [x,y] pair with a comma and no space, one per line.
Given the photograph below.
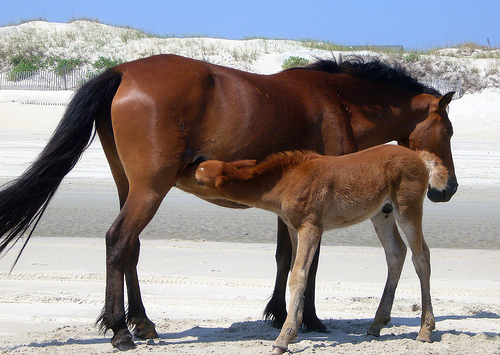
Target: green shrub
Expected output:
[65,65]
[412,57]
[293,62]
[24,66]
[105,63]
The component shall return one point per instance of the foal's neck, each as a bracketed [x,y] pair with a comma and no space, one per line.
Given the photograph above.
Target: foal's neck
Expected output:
[257,192]
[261,185]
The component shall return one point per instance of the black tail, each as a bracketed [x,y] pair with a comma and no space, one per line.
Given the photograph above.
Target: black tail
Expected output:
[24,200]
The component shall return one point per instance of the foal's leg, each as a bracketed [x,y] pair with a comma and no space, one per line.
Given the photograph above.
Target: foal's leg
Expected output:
[309,237]
[276,307]
[395,253]
[309,319]
[412,227]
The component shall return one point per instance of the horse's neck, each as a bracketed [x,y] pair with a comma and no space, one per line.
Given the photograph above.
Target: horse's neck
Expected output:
[387,116]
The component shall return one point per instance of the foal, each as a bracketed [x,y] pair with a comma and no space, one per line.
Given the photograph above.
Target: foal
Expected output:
[313,193]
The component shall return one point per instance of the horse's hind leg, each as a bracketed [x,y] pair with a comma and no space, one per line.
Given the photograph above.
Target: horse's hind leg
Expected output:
[136,315]
[151,164]
[121,246]
[142,326]
[395,253]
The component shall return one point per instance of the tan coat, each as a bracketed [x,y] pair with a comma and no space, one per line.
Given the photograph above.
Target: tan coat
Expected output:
[313,193]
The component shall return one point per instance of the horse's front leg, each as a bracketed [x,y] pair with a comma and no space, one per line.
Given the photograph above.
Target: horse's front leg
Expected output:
[276,307]
[309,237]
[395,253]
[143,327]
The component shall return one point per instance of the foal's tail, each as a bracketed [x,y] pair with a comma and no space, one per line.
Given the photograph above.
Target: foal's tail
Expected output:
[24,200]
[438,174]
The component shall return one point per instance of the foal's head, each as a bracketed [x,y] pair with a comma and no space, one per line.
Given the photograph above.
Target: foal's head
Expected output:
[216,174]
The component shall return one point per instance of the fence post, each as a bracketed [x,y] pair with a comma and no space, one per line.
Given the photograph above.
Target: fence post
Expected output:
[64,75]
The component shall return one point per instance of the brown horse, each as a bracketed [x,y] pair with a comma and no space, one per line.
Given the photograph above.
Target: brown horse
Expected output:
[313,193]
[158,117]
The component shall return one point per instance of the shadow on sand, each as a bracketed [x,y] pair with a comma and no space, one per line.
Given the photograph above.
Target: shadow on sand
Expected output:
[340,332]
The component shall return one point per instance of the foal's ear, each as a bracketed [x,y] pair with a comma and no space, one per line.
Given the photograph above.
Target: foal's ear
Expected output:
[244,163]
[446,99]
[221,181]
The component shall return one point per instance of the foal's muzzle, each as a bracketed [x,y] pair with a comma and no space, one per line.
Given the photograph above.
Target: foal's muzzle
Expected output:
[444,195]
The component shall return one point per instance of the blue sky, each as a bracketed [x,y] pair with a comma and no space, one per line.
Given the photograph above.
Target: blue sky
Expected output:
[419,24]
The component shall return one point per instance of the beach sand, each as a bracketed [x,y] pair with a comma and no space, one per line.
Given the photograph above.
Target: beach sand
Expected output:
[207,272]
[207,297]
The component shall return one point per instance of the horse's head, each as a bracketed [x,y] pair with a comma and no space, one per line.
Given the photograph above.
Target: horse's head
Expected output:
[433,134]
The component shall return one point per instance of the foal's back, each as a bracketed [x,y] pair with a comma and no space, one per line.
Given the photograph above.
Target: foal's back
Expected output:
[348,189]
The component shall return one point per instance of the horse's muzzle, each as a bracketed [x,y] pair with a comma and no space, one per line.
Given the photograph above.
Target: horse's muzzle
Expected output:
[443,195]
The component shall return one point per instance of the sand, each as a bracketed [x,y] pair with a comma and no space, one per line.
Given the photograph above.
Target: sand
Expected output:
[208,297]
[207,272]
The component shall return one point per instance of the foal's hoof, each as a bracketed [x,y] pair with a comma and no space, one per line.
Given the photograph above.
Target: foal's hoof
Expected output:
[373,331]
[122,340]
[278,350]
[424,336]
[376,326]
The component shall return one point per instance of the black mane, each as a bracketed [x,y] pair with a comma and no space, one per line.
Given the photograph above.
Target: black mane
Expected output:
[375,70]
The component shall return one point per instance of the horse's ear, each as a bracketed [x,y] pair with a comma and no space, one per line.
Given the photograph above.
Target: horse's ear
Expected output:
[244,163]
[446,99]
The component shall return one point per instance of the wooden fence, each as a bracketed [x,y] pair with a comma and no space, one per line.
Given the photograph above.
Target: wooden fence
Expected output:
[46,80]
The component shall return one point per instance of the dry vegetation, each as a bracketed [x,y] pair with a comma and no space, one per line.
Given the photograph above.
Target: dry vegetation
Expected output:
[39,44]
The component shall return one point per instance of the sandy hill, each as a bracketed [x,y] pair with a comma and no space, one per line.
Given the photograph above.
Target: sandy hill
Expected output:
[472,66]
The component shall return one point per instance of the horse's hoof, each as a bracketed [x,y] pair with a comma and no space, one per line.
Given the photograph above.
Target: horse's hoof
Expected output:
[314,325]
[275,312]
[150,334]
[126,346]
[145,330]
[122,340]
[278,350]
